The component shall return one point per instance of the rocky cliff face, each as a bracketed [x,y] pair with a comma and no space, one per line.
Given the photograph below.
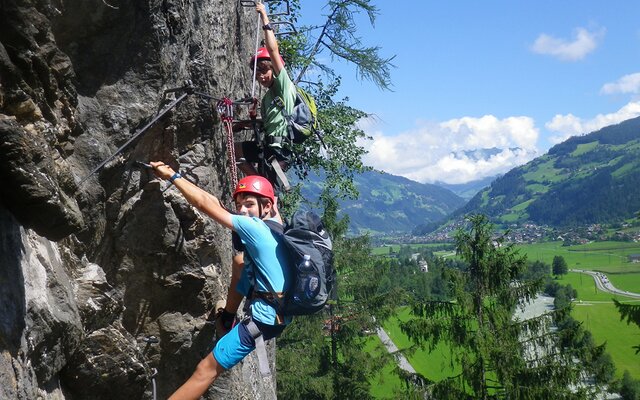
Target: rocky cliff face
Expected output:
[88,272]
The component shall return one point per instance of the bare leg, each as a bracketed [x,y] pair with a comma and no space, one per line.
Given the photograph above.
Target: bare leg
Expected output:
[205,374]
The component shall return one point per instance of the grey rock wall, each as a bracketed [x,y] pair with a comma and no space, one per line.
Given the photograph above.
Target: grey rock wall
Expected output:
[88,272]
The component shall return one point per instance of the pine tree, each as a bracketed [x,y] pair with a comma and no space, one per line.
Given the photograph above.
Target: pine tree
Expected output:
[339,156]
[559,266]
[322,356]
[501,357]
[338,35]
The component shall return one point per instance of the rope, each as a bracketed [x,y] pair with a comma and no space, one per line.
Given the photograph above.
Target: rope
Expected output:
[225,110]
[255,57]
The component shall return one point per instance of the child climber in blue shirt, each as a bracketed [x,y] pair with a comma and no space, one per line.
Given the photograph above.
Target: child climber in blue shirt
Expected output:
[266,268]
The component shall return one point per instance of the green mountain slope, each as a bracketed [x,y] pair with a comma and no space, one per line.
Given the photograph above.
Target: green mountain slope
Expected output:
[587,179]
[390,204]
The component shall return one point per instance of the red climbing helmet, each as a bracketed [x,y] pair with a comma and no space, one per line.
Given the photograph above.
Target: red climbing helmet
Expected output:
[263,54]
[255,184]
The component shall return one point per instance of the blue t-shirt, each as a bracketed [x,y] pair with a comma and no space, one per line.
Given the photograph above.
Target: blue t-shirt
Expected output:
[269,257]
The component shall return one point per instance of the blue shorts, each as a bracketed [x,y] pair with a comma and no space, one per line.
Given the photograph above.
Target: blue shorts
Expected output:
[238,343]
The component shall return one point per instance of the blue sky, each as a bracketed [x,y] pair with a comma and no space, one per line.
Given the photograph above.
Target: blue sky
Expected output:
[515,77]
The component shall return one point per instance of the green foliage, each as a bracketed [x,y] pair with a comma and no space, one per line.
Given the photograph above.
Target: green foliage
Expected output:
[338,155]
[338,35]
[303,352]
[563,295]
[629,387]
[536,270]
[559,266]
[328,350]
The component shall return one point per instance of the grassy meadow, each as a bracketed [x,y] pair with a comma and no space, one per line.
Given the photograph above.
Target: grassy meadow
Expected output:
[593,307]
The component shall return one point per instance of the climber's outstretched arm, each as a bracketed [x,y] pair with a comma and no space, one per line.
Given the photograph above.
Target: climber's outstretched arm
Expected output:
[270,41]
[202,200]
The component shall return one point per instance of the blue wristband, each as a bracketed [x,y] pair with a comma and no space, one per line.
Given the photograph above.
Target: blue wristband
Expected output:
[175,176]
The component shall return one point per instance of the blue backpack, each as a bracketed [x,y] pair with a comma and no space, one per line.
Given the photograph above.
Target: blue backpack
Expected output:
[311,253]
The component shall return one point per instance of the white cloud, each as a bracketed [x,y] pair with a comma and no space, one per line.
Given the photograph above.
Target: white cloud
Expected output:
[584,42]
[448,151]
[570,125]
[627,84]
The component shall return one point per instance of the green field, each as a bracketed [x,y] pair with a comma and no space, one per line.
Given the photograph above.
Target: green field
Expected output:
[386,383]
[434,365]
[598,256]
[593,307]
[629,282]
[603,321]
[544,172]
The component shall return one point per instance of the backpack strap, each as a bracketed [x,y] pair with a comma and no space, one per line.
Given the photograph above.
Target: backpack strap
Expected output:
[275,226]
[278,102]
[273,298]
[261,350]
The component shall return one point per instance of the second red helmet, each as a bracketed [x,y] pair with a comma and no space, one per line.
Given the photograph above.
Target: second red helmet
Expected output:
[262,54]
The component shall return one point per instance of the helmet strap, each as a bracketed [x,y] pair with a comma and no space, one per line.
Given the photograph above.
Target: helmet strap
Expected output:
[260,209]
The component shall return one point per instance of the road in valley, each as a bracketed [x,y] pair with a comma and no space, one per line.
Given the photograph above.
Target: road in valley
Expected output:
[603,283]
[403,363]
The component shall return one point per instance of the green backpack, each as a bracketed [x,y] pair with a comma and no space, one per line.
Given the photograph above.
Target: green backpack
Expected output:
[302,123]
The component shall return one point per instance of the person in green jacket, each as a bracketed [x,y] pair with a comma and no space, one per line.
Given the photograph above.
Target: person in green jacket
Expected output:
[279,99]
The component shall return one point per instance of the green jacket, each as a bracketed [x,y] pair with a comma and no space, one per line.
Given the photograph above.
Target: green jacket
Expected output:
[273,121]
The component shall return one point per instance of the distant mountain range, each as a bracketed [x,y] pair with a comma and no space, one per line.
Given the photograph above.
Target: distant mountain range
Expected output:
[469,189]
[587,179]
[390,204]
